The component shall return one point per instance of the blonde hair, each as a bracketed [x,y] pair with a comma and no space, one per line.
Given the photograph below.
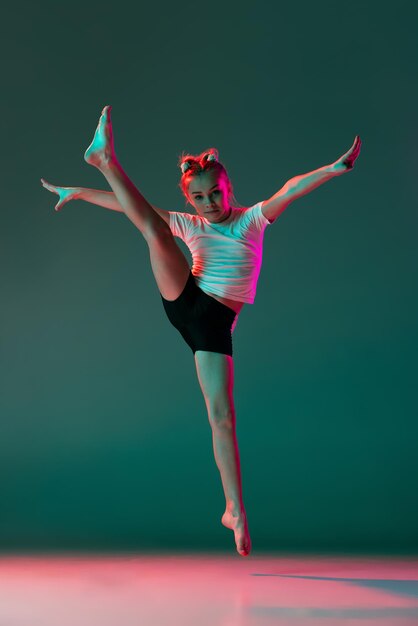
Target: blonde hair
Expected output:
[207,161]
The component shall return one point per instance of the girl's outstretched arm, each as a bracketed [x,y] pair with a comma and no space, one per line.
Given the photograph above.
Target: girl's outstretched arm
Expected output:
[307,182]
[106,199]
[299,186]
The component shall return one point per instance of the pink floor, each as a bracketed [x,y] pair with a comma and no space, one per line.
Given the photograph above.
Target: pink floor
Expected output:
[207,589]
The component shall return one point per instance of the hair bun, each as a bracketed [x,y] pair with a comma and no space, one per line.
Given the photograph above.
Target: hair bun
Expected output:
[185,166]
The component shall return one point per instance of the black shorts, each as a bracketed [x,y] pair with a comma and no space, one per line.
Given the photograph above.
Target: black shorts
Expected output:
[203,322]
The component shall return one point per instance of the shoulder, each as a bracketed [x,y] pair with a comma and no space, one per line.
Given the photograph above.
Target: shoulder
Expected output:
[256,216]
[180,216]
[183,225]
[265,212]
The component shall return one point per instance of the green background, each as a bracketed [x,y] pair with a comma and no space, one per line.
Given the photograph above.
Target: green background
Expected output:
[105,441]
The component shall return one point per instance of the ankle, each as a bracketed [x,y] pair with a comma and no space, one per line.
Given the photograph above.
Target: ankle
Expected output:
[235,509]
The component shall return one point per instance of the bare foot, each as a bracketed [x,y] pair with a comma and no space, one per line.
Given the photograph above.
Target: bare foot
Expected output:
[101,150]
[238,523]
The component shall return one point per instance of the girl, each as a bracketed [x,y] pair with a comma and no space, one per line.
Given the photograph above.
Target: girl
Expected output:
[203,303]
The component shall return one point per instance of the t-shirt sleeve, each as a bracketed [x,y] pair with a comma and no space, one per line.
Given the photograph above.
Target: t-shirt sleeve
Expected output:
[255,219]
[180,224]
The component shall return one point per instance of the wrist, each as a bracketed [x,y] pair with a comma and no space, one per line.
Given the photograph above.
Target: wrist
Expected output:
[337,168]
[78,193]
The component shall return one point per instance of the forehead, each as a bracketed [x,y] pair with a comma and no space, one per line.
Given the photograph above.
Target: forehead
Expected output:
[204,181]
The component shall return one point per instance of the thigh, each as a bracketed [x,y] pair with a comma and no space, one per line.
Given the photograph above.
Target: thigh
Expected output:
[169,265]
[211,327]
[215,373]
[204,323]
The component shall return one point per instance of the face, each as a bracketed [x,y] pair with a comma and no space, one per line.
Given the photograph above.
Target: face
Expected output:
[208,194]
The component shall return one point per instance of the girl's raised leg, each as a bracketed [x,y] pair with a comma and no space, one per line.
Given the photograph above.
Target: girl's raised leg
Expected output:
[170,266]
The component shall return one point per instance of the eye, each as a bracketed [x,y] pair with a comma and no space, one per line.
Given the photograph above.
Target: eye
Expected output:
[198,197]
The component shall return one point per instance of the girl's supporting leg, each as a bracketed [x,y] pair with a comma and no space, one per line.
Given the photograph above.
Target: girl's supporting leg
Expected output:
[215,373]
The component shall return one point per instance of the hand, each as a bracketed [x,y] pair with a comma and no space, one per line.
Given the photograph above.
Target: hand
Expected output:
[346,162]
[65,193]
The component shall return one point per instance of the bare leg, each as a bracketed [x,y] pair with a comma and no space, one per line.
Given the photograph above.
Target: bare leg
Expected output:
[101,154]
[225,447]
[169,265]
[215,375]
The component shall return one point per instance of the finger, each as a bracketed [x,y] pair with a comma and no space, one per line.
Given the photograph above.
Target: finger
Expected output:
[106,112]
[357,148]
[351,150]
[46,184]
[349,162]
[354,150]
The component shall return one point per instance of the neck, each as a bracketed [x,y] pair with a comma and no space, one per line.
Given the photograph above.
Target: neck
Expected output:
[225,218]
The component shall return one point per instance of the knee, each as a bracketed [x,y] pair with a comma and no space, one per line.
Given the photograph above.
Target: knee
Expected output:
[221,417]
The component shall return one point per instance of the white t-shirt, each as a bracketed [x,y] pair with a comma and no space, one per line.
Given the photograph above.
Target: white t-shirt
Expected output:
[227,257]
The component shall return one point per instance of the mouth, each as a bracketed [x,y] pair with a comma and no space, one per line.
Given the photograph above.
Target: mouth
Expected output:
[214,211]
